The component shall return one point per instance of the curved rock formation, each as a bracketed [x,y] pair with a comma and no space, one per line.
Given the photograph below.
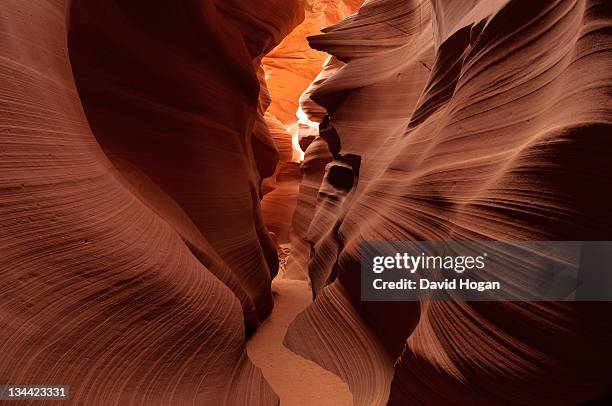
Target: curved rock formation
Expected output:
[137,142]
[133,248]
[289,69]
[173,97]
[472,121]
[293,65]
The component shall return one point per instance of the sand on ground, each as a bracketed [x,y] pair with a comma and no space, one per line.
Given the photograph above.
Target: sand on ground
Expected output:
[296,380]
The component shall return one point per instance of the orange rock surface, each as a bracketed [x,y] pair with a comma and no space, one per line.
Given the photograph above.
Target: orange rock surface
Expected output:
[289,69]
[149,172]
[132,243]
[458,121]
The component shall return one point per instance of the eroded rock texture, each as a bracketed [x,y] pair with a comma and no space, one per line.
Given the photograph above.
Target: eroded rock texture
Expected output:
[293,65]
[462,121]
[167,122]
[132,244]
[289,69]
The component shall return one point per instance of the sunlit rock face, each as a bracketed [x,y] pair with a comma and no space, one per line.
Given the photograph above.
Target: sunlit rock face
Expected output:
[317,156]
[289,70]
[469,120]
[133,250]
[293,65]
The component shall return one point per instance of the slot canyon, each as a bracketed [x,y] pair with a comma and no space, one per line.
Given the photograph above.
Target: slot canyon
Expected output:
[186,185]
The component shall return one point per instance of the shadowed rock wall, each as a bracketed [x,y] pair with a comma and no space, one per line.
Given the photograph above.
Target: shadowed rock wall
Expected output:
[469,121]
[133,248]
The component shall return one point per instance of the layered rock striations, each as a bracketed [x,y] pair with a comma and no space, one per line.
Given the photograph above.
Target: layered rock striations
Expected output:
[289,69]
[137,142]
[132,242]
[293,64]
[479,120]
[171,95]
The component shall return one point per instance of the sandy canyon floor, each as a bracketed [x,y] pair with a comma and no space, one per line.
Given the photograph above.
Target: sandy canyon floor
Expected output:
[296,380]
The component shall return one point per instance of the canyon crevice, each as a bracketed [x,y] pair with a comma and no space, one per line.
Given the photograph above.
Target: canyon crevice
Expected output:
[156,161]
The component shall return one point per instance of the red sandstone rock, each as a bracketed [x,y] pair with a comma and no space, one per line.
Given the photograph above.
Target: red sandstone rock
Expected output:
[132,241]
[131,236]
[289,69]
[488,121]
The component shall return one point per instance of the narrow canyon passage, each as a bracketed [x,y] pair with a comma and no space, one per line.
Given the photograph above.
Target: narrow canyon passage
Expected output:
[296,380]
[189,188]
[289,69]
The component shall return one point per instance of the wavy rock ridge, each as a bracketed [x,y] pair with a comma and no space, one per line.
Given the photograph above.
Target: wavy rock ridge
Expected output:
[457,121]
[288,70]
[132,243]
[135,143]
